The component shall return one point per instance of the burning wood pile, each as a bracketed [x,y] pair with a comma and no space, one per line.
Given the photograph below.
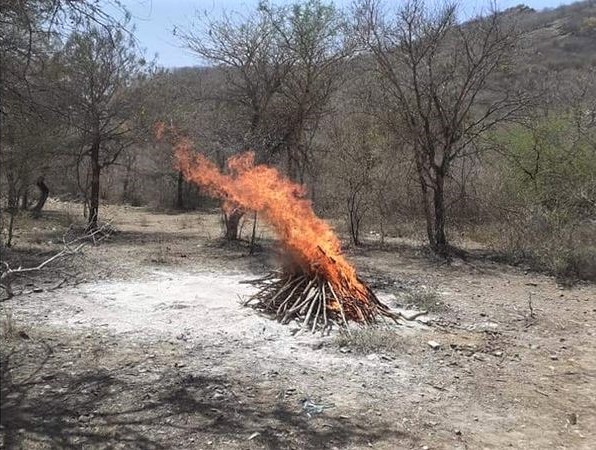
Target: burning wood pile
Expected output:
[318,286]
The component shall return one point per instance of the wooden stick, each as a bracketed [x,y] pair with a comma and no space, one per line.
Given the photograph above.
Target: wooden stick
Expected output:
[312,304]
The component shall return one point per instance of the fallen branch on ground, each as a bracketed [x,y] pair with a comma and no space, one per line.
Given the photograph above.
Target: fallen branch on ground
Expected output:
[70,248]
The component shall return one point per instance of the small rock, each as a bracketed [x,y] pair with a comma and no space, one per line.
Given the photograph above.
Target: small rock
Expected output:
[434,345]
[23,335]
[458,432]
[345,350]
[572,419]
[85,417]
[554,357]
[254,435]
[498,354]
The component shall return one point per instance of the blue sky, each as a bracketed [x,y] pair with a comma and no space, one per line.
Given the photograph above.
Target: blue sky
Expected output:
[155,19]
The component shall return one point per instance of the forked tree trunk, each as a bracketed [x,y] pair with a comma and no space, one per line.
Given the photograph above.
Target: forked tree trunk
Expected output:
[232,222]
[44,192]
[95,174]
[432,186]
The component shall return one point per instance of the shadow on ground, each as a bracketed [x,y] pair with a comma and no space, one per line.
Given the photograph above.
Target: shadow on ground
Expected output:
[53,399]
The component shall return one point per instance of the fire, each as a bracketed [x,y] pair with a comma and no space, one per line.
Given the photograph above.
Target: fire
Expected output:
[308,239]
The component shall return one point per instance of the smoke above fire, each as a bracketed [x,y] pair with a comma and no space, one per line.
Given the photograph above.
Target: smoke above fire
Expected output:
[308,240]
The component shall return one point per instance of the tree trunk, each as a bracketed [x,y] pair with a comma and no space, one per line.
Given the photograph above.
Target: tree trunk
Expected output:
[232,222]
[44,192]
[426,202]
[440,240]
[126,195]
[13,199]
[432,183]
[25,199]
[354,219]
[179,192]
[253,236]
[94,200]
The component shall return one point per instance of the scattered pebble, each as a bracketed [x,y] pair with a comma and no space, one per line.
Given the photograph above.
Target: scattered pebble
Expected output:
[434,345]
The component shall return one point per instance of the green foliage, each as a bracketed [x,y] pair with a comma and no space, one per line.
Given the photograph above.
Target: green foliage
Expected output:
[552,166]
[549,187]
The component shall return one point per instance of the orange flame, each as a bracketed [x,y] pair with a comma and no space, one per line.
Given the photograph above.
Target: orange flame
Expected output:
[307,238]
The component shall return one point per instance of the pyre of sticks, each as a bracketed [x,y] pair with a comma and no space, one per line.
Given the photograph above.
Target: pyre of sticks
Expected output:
[311,299]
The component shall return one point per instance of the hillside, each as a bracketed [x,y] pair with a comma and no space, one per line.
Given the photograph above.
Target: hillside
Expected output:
[562,38]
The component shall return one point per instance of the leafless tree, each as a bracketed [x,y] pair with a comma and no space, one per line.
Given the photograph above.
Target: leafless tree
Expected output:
[281,65]
[444,82]
[247,51]
[98,65]
[314,38]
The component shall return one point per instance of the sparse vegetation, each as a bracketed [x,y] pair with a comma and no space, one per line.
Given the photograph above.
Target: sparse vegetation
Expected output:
[379,340]
[424,299]
[436,146]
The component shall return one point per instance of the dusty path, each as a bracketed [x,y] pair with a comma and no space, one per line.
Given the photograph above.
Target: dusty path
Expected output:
[170,359]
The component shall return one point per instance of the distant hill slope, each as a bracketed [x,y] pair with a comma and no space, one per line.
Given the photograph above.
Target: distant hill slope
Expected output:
[563,38]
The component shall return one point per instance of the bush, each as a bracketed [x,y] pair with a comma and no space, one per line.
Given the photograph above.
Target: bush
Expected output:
[549,188]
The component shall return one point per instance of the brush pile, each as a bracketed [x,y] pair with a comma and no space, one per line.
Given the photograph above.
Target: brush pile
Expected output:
[315,302]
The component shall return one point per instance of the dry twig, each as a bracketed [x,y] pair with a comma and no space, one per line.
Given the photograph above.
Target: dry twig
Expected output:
[70,248]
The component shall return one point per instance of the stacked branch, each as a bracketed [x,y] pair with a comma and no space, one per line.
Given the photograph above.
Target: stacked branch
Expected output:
[315,302]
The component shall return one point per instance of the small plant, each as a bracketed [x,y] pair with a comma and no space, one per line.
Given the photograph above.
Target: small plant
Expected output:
[8,326]
[161,255]
[371,340]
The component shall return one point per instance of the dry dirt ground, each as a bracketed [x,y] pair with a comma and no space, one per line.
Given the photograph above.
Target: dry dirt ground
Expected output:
[146,345]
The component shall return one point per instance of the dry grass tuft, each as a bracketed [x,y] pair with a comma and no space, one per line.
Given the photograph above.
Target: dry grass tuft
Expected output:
[368,340]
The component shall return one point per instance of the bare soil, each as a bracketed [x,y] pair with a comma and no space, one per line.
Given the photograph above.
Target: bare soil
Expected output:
[147,345]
